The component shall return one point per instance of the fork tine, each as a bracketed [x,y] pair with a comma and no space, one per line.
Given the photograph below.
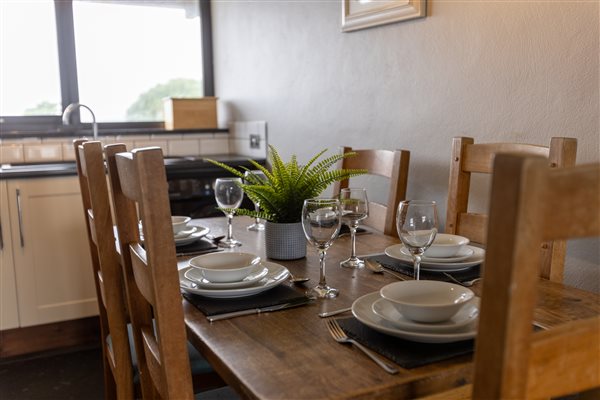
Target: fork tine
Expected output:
[340,336]
[338,329]
[331,328]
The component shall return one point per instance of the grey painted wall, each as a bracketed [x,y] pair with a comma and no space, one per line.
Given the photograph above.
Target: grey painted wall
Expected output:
[497,71]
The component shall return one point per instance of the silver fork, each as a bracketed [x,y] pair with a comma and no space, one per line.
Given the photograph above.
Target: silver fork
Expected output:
[340,336]
[465,283]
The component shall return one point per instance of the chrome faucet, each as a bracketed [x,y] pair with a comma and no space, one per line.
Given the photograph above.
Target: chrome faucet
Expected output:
[72,107]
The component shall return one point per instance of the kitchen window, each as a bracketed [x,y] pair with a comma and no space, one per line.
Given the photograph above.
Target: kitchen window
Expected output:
[120,58]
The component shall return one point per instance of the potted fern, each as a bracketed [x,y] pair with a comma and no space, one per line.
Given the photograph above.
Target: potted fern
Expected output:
[282,194]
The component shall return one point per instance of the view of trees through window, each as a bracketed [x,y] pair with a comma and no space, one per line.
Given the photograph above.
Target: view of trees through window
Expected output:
[130,55]
[29,68]
[147,107]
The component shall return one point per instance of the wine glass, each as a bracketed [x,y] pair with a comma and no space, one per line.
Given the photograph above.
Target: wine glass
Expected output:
[417,223]
[321,221]
[248,178]
[355,207]
[229,195]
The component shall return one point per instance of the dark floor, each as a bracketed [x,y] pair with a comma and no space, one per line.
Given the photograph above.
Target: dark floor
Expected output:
[75,374]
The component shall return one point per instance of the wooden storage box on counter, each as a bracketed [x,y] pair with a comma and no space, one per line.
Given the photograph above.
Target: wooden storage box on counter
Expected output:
[190,113]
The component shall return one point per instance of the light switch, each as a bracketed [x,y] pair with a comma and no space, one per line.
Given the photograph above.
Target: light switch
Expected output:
[255,141]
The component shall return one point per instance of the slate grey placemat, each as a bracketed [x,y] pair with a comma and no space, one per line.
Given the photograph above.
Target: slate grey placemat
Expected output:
[405,353]
[200,246]
[407,269]
[280,294]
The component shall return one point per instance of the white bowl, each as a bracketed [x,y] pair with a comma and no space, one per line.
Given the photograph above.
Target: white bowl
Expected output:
[179,223]
[426,301]
[225,267]
[446,245]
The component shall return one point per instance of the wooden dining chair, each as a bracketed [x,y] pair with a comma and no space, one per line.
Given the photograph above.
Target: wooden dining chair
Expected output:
[140,193]
[389,164]
[532,203]
[108,278]
[468,158]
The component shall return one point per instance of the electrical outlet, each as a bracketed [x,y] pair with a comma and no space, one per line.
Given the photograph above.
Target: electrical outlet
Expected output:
[255,141]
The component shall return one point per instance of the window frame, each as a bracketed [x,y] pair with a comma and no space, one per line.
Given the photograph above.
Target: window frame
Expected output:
[65,33]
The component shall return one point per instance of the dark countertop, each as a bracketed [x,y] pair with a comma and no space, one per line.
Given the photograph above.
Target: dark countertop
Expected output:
[69,131]
[37,170]
[177,167]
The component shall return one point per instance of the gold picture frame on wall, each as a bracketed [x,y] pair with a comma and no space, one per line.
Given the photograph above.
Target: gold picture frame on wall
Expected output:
[361,14]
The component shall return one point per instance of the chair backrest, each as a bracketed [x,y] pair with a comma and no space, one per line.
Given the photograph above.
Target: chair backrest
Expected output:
[108,276]
[386,163]
[468,158]
[140,193]
[532,203]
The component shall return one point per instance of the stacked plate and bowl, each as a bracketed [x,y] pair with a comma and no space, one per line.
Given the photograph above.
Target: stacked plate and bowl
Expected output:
[185,234]
[448,253]
[427,311]
[230,275]
[421,311]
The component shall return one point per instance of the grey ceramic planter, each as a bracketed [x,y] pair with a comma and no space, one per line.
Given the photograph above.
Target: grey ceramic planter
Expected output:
[285,241]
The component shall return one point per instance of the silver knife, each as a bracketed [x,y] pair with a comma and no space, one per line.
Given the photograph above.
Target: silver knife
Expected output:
[218,317]
[335,312]
[195,253]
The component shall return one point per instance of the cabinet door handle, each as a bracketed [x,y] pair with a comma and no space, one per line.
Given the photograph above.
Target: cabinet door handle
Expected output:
[20,213]
[1,237]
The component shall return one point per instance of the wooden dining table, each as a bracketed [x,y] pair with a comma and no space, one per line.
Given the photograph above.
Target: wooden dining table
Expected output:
[289,354]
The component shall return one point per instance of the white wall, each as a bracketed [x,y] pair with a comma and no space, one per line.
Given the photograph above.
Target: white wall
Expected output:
[497,71]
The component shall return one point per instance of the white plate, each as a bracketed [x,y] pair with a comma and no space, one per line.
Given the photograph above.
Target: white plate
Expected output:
[467,314]
[463,254]
[362,308]
[185,233]
[194,275]
[395,251]
[276,275]
[198,233]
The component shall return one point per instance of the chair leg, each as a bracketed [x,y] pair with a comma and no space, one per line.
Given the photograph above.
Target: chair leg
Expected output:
[110,386]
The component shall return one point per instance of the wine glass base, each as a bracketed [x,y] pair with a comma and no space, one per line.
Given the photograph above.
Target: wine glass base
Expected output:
[229,243]
[256,227]
[323,292]
[353,263]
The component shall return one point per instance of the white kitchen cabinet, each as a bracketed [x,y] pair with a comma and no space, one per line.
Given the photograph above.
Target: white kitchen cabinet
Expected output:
[52,266]
[9,310]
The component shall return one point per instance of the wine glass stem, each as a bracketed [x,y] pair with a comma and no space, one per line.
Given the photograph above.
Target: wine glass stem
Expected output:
[322,281]
[257,209]
[229,226]
[417,263]
[353,241]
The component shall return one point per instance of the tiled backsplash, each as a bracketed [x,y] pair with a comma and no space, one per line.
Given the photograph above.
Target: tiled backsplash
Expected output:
[240,139]
[237,141]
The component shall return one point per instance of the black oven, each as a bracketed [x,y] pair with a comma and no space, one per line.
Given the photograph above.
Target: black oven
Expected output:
[191,181]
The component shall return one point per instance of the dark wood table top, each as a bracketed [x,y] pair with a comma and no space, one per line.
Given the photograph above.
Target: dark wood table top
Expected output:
[290,354]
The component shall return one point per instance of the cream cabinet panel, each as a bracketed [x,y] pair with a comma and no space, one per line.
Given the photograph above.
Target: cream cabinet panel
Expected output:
[51,254]
[9,310]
